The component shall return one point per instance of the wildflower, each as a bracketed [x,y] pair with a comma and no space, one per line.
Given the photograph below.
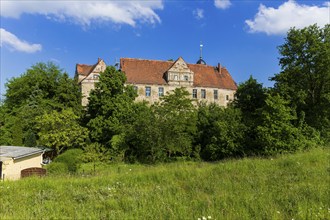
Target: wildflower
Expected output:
[199,219]
[278,212]
[204,218]
[209,217]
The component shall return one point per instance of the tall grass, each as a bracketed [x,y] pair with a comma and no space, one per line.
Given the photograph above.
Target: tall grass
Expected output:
[287,187]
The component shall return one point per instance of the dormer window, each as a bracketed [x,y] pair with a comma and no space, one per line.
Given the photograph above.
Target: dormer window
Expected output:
[186,78]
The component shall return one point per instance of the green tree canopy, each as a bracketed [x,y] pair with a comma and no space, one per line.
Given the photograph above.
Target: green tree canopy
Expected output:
[250,96]
[250,99]
[43,84]
[305,76]
[42,88]
[61,131]
[178,117]
[276,133]
[161,132]
[110,107]
[220,132]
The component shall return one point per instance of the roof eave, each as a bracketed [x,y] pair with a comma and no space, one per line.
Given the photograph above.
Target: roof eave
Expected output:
[29,154]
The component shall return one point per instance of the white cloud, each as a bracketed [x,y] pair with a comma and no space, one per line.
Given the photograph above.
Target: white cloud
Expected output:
[277,21]
[14,43]
[86,12]
[222,4]
[198,13]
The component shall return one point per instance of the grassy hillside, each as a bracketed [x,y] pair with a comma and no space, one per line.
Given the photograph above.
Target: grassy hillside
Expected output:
[286,187]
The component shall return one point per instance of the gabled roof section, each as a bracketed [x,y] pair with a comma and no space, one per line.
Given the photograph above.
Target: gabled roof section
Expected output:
[139,71]
[16,152]
[209,76]
[179,65]
[84,70]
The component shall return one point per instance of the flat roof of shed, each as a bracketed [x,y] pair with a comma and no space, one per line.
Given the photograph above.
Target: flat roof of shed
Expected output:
[17,152]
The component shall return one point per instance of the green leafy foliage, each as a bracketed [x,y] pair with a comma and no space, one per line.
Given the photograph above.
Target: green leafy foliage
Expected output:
[220,132]
[277,134]
[250,99]
[95,152]
[69,161]
[162,132]
[43,88]
[30,139]
[177,117]
[57,168]
[143,141]
[61,131]
[109,107]
[250,96]
[305,76]
[43,84]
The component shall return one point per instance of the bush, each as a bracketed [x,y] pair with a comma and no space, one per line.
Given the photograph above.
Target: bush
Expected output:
[57,168]
[221,132]
[71,158]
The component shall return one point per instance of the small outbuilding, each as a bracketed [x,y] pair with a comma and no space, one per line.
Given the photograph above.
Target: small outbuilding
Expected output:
[14,159]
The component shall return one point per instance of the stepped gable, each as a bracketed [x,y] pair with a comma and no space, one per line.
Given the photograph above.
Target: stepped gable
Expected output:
[139,71]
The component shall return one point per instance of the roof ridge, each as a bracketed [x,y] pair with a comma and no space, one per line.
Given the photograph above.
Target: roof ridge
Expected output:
[142,59]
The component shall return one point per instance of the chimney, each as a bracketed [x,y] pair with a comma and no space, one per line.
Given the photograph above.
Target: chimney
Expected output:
[98,60]
[219,68]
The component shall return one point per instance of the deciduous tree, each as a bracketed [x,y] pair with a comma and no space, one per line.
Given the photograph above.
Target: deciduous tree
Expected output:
[109,107]
[61,131]
[305,76]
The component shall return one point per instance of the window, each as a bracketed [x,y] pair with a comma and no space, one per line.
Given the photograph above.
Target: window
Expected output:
[194,93]
[186,78]
[148,91]
[215,92]
[135,88]
[227,97]
[95,76]
[175,77]
[203,94]
[160,91]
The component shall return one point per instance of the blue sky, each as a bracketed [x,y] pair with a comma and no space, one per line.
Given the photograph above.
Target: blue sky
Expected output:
[242,35]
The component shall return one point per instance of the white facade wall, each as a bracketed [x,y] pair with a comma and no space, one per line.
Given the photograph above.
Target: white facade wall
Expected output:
[224,95]
[11,169]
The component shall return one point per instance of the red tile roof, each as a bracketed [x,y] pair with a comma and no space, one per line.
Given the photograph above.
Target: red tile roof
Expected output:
[140,71]
[83,69]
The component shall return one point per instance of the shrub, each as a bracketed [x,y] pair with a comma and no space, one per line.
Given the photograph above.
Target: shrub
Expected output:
[221,132]
[57,168]
[71,158]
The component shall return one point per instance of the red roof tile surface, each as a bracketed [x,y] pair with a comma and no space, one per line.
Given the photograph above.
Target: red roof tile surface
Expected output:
[140,71]
[83,69]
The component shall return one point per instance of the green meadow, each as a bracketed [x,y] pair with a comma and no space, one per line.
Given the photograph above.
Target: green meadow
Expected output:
[284,187]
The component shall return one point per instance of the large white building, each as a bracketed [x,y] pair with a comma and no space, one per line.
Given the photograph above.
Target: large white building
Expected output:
[154,78]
